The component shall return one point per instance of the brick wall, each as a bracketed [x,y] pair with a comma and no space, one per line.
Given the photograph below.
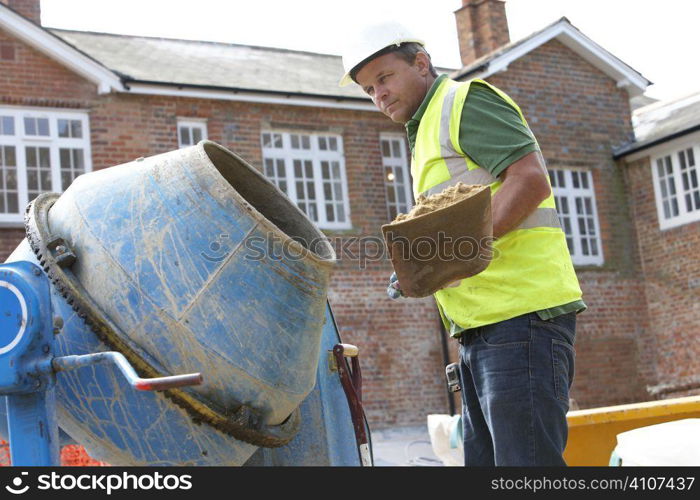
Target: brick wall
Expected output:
[671,269]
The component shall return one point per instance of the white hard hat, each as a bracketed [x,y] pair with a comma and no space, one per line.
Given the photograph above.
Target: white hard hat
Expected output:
[370,41]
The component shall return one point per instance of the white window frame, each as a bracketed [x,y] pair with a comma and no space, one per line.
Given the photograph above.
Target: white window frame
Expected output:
[191,123]
[396,163]
[20,140]
[684,216]
[570,192]
[316,156]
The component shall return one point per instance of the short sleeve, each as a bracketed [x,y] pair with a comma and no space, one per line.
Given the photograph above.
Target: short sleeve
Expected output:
[491,131]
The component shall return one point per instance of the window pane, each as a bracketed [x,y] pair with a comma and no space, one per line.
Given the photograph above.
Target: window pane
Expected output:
[280,169]
[29,126]
[278,140]
[11,179]
[574,179]
[7,125]
[78,160]
[338,190]
[402,195]
[269,168]
[310,190]
[31,157]
[300,190]
[66,180]
[32,180]
[309,168]
[336,169]
[45,178]
[333,143]
[44,158]
[584,179]
[660,168]
[395,149]
[330,214]
[386,149]
[295,142]
[185,136]
[43,125]
[325,172]
[266,140]
[63,128]
[305,142]
[76,127]
[196,135]
[12,203]
[65,157]
[327,191]
[297,169]
[283,186]
[322,143]
[340,213]
[10,159]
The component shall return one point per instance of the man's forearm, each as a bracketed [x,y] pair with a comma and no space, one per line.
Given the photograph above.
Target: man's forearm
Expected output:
[524,188]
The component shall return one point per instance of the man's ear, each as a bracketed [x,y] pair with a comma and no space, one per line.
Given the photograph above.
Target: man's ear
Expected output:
[422,62]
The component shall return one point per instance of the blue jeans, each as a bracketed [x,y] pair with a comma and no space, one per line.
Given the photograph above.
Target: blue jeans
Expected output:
[515,378]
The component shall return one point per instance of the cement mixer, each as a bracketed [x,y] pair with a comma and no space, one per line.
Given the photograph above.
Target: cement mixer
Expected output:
[173,311]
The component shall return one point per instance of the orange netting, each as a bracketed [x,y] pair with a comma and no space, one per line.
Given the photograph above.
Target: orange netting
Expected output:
[71,455]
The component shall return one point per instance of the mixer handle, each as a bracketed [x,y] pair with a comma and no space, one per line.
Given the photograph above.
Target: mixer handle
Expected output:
[65,363]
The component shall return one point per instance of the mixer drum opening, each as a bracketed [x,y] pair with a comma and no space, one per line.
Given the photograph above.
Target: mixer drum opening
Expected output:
[265,197]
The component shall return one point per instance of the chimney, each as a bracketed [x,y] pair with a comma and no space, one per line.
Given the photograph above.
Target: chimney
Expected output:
[31,9]
[482,27]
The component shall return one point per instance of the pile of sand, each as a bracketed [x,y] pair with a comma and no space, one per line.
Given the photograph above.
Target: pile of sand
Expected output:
[450,196]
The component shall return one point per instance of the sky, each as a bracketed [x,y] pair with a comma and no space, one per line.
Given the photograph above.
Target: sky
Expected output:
[657,38]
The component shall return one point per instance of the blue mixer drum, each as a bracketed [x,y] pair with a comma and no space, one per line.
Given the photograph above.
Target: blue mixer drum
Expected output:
[189,261]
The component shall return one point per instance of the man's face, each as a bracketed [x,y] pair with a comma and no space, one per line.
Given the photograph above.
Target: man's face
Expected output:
[396,87]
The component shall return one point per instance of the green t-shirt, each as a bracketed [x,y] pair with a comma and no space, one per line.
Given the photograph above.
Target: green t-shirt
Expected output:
[492,134]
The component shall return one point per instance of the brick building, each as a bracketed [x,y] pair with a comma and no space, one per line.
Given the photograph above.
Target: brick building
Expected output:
[71,102]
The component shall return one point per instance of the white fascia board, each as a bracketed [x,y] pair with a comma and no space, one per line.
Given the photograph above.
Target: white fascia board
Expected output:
[291,100]
[583,46]
[60,51]
[667,147]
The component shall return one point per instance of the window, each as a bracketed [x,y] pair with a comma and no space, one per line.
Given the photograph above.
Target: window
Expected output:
[575,201]
[399,197]
[40,150]
[676,187]
[190,131]
[310,169]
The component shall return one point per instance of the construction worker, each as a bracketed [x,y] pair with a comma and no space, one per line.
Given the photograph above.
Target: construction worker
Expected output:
[516,320]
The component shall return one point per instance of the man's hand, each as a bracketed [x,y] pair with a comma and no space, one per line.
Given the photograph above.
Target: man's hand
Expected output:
[393,290]
[454,284]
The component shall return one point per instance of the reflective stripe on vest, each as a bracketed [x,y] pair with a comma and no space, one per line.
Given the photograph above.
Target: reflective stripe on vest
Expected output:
[531,269]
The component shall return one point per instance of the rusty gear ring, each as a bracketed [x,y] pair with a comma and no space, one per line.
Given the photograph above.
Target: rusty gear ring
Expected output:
[244,423]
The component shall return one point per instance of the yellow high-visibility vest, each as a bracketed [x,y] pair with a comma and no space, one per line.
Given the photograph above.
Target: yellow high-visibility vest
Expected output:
[531,269]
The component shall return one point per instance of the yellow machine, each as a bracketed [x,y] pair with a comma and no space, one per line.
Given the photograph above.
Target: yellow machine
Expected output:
[592,432]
